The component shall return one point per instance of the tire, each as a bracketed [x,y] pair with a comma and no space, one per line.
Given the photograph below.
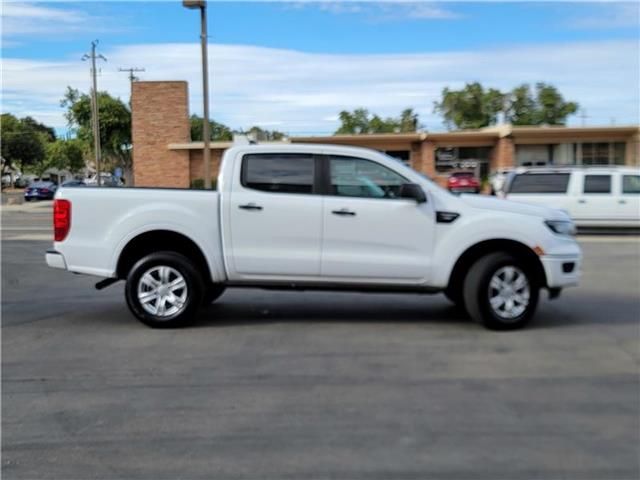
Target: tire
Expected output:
[212,294]
[175,307]
[510,283]
[455,295]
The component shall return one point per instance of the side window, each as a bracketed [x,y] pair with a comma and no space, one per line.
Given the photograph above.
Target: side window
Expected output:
[597,184]
[631,184]
[356,177]
[279,172]
[540,183]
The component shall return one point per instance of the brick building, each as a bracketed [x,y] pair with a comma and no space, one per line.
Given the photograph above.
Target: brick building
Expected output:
[164,155]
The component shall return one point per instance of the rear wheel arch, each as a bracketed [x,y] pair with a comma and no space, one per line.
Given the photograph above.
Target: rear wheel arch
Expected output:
[161,241]
[517,249]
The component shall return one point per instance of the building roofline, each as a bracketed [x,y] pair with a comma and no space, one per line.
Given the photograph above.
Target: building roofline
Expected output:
[212,145]
[414,136]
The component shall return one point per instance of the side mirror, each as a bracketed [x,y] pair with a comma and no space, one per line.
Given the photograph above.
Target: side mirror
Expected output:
[413,190]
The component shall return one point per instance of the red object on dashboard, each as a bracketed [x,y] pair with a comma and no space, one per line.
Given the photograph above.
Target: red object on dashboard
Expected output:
[61,219]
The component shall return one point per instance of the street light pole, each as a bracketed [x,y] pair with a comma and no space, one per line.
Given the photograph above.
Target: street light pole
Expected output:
[206,136]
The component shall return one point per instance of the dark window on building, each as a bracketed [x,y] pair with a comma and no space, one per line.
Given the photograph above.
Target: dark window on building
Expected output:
[597,184]
[540,183]
[631,184]
[476,159]
[603,153]
[278,173]
[356,177]
[402,155]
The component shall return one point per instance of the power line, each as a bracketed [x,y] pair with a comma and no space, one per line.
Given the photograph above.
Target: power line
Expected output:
[94,104]
[131,70]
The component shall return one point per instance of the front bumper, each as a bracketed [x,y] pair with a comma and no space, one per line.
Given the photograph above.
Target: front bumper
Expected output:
[562,270]
[55,260]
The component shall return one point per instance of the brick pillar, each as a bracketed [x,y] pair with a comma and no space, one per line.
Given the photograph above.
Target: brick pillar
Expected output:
[503,154]
[427,159]
[632,151]
[160,116]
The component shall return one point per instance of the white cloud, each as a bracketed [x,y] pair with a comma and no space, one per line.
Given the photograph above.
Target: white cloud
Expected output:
[21,19]
[610,16]
[385,10]
[303,92]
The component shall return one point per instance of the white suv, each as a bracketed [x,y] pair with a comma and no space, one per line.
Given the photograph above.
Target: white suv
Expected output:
[593,196]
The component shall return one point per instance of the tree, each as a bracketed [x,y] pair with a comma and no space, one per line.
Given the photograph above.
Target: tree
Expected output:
[408,120]
[263,135]
[522,106]
[48,132]
[361,121]
[552,109]
[115,125]
[546,107]
[476,107]
[472,107]
[62,155]
[22,144]
[219,132]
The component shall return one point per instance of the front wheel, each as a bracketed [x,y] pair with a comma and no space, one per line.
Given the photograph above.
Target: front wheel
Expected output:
[500,292]
[164,290]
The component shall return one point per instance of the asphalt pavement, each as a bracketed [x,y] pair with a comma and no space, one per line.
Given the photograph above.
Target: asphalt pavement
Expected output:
[311,385]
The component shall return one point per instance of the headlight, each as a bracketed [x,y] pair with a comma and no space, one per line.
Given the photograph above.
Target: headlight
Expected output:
[561,227]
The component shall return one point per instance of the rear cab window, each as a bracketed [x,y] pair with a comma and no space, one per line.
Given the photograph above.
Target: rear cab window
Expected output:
[279,172]
[630,184]
[597,184]
[540,183]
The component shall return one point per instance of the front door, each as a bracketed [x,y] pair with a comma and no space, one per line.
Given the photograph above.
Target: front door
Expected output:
[371,235]
[275,218]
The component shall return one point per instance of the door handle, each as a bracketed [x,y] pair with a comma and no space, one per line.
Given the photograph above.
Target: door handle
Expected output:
[250,206]
[622,201]
[343,212]
[582,201]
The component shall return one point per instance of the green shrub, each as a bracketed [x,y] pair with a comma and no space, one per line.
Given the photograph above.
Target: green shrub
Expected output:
[198,184]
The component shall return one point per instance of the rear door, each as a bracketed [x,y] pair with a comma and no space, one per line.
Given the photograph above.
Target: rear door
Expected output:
[596,204]
[275,217]
[370,234]
[629,199]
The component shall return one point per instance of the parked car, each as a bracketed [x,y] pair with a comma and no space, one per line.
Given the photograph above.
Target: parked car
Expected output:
[40,191]
[593,196]
[463,182]
[107,180]
[74,183]
[497,181]
[307,217]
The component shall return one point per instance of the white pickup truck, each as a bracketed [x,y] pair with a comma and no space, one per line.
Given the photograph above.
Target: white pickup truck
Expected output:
[314,217]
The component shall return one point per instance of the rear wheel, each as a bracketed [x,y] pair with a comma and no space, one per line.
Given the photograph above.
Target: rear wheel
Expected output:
[500,292]
[164,290]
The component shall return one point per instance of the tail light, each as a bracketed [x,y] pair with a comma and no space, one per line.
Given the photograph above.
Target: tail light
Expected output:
[61,219]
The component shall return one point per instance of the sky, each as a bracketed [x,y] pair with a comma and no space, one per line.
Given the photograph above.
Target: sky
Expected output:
[293,66]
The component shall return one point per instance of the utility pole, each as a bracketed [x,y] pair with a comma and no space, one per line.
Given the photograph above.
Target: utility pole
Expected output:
[94,106]
[131,70]
[206,136]
[584,117]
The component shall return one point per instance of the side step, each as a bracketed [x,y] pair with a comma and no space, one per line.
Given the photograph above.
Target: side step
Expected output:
[106,282]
